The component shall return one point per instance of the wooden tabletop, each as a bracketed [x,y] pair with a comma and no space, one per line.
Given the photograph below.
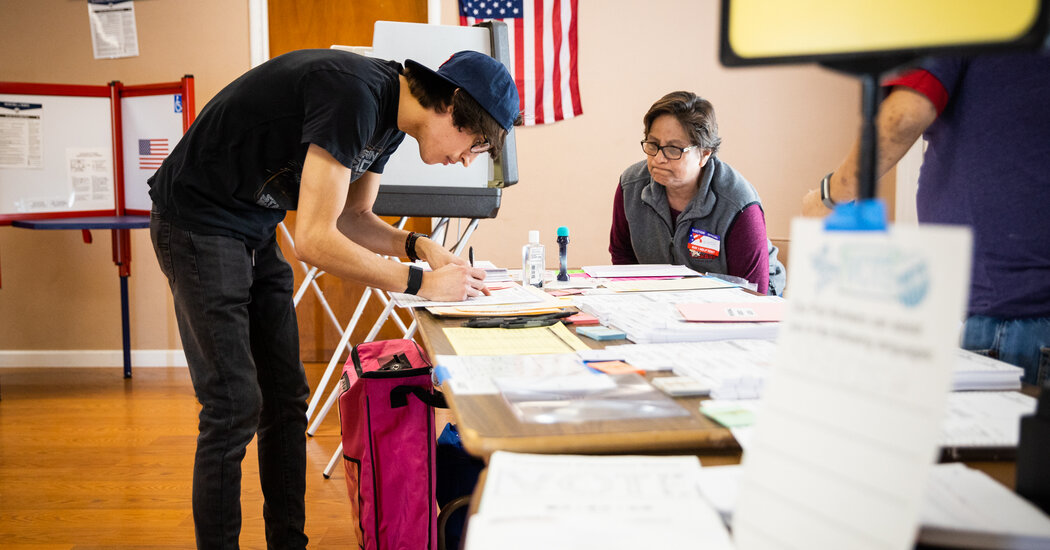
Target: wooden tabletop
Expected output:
[486,424]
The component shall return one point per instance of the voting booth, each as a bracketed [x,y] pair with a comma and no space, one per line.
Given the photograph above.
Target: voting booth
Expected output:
[78,157]
[411,188]
[69,151]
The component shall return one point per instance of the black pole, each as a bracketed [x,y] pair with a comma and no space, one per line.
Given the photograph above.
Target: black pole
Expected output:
[869,139]
[1033,477]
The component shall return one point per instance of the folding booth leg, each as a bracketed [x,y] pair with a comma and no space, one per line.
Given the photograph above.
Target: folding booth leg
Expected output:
[338,353]
[327,473]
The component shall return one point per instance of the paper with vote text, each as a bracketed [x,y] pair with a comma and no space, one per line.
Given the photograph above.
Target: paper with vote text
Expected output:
[852,410]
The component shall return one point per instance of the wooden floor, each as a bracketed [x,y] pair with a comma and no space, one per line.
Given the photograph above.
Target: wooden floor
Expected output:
[89,460]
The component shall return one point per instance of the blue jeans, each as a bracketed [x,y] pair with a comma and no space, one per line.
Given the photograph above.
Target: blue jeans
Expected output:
[238,328]
[1021,342]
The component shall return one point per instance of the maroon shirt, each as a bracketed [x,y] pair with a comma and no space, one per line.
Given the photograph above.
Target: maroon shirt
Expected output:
[746,248]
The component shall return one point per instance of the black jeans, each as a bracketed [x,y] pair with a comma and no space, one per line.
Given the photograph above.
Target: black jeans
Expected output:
[238,328]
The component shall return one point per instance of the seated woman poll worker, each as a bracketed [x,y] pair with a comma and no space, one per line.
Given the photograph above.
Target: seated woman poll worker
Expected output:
[310,130]
[682,205]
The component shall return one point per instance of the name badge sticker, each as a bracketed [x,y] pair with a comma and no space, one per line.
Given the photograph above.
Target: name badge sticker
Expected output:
[703,245]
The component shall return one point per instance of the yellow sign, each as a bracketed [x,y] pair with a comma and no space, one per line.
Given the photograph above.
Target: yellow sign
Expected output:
[801,28]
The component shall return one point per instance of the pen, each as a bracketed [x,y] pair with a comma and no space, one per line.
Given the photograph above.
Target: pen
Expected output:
[470,255]
[485,323]
[530,324]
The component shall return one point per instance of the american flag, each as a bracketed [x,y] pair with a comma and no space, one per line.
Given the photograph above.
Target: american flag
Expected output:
[542,55]
[152,152]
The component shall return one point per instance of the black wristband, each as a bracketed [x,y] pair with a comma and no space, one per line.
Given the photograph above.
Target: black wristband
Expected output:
[410,245]
[415,279]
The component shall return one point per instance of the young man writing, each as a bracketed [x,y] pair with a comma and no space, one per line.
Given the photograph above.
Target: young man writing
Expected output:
[311,131]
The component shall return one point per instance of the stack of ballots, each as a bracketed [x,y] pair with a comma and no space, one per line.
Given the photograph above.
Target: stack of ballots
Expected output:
[733,369]
[737,369]
[648,317]
[978,372]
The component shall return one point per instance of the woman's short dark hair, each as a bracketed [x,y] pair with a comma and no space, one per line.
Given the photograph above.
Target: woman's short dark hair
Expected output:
[467,115]
[694,113]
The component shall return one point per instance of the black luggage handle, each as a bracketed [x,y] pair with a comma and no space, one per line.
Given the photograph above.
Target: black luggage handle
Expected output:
[356,358]
[399,397]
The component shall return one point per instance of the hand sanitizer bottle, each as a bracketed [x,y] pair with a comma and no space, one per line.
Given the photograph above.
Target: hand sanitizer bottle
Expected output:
[533,261]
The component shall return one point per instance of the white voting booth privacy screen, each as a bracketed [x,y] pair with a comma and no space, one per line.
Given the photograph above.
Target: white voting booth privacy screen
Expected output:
[56,155]
[56,146]
[429,45]
[152,125]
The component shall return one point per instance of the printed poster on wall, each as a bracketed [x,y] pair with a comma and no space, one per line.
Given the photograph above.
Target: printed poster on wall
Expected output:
[113,32]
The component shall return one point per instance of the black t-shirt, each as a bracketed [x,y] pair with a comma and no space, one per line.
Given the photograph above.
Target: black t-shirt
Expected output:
[237,170]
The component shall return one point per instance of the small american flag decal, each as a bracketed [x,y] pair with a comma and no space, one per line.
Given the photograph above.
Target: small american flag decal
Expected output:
[152,152]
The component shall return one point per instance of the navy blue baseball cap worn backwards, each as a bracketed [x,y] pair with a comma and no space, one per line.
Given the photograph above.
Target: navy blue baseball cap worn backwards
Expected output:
[485,79]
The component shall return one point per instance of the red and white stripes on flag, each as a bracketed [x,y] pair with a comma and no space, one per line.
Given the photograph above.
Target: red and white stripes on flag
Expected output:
[152,152]
[543,53]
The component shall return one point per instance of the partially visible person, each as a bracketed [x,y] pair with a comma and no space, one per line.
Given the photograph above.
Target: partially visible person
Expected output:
[310,130]
[986,121]
[682,205]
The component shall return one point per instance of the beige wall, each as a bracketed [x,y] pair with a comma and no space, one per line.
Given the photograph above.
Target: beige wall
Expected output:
[59,293]
[783,128]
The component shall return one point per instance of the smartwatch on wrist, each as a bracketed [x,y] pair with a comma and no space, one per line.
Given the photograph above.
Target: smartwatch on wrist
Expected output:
[825,192]
[415,279]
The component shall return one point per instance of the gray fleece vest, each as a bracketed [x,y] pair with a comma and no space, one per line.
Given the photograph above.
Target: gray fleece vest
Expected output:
[722,195]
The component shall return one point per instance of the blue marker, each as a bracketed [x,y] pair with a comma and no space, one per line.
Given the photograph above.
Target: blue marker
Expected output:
[563,245]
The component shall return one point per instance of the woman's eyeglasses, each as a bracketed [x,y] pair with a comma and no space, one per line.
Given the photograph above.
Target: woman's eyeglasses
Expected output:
[671,152]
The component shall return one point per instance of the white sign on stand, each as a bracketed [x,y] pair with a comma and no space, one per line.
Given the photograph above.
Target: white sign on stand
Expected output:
[851,414]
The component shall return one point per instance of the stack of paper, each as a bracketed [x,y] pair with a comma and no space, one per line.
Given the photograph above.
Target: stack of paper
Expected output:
[559,502]
[474,374]
[493,274]
[511,294]
[733,369]
[495,341]
[962,508]
[649,317]
[977,372]
[737,369]
[667,285]
[974,423]
[586,398]
[639,270]
[985,419]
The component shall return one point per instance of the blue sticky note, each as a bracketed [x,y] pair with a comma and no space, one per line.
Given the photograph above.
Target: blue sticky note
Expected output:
[601,333]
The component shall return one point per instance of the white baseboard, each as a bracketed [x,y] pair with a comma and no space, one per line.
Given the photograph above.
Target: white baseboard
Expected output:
[92,358]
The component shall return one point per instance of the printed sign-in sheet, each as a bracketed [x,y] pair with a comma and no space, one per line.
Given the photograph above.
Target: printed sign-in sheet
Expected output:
[852,410]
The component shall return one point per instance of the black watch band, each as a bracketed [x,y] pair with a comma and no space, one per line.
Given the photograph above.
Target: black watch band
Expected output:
[410,245]
[415,279]
[825,192]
